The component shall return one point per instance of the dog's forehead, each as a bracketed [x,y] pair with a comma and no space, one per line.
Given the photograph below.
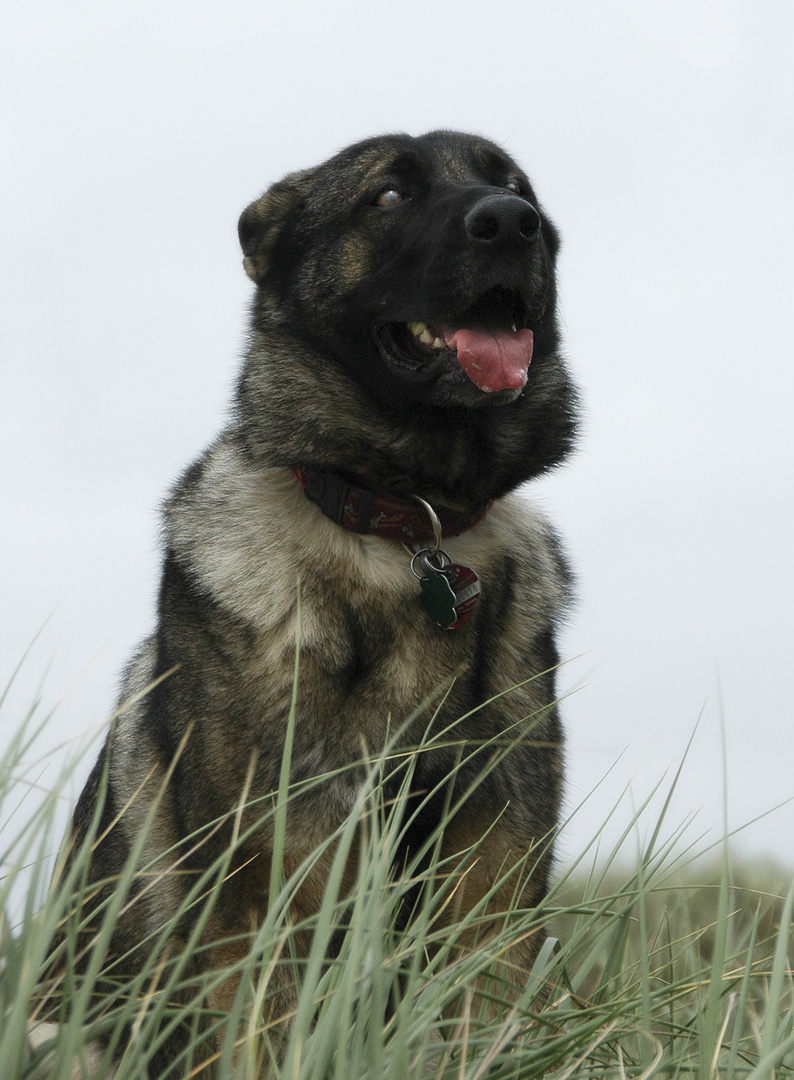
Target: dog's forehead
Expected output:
[458,157]
[446,156]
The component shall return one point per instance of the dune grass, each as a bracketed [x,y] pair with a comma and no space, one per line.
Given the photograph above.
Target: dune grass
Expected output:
[674,967]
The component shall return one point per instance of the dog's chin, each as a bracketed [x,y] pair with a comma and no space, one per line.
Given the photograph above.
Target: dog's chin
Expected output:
[463,394]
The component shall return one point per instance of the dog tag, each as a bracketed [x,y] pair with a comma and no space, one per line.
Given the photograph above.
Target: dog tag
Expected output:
[466,586]
[448,592]
[438,596]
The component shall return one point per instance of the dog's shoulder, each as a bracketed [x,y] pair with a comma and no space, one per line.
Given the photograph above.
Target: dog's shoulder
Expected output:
[245,533]
[516,539]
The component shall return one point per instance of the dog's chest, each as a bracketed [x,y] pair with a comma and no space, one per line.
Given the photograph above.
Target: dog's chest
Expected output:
[350,604]
[366,644]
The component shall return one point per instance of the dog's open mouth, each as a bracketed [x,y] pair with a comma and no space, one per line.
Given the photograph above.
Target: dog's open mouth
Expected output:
[490,342]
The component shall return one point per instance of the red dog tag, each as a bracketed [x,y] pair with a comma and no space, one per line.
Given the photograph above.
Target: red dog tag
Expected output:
[466,586]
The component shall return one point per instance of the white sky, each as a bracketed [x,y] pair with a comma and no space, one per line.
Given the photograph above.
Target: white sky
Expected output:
[659,137]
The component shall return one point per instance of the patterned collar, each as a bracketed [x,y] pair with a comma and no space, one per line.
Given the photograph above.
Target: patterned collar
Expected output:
[378,511]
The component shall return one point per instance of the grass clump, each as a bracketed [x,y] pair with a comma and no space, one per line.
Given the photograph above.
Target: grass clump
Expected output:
[671,968]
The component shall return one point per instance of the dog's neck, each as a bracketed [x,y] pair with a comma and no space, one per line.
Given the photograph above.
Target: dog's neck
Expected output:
[379,511]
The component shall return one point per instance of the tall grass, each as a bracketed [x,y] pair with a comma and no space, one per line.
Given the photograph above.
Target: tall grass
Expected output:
[671,968]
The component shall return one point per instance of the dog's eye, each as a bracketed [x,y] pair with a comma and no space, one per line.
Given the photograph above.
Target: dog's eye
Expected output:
[514,185]
[389,197]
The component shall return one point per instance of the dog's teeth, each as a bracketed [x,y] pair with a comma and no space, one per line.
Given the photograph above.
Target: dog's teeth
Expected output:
[426,337]
[439,344]
[417,328]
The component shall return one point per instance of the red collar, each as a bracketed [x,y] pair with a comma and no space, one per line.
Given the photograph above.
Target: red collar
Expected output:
[378,511]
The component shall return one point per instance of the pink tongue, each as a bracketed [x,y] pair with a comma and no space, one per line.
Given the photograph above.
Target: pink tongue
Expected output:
[493,360]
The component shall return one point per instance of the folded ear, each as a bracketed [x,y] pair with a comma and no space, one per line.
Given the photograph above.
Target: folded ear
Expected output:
[262,221]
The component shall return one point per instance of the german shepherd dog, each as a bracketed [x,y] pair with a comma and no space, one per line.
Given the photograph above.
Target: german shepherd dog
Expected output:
[402,379]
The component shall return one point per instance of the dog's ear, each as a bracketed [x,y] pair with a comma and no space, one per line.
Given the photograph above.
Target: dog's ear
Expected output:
[262,221]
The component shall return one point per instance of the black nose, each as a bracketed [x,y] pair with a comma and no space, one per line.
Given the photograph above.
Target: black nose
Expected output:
[503,220]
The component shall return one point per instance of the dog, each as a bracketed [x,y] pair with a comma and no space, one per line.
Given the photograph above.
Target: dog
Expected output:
[402,379]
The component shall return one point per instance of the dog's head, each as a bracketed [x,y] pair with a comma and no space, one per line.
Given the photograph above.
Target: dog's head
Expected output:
[424,266]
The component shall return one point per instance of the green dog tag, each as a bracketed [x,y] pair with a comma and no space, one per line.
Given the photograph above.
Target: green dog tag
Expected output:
[438,596]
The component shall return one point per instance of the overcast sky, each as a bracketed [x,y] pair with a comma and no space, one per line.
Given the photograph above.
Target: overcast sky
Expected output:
[660,137]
